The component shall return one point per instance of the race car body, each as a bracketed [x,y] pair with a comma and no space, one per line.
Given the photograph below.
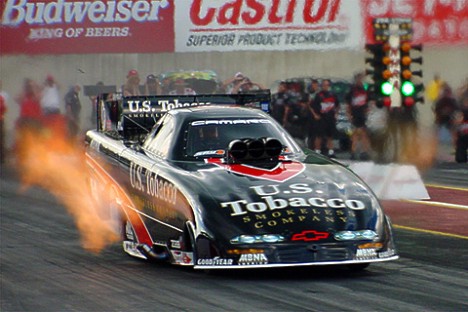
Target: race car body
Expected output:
[225,186]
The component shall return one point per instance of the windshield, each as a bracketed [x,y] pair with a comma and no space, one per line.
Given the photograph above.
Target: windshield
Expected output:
[210,138]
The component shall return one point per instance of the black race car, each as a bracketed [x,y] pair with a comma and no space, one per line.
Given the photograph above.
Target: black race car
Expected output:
[224,186]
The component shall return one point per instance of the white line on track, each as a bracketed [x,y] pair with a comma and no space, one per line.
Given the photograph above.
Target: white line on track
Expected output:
[438,204]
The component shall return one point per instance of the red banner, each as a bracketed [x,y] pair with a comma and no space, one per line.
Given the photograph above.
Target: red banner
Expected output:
[73,26]
[434,21]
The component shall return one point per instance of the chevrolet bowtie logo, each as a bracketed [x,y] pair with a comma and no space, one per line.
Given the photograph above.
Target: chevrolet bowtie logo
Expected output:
[309,236]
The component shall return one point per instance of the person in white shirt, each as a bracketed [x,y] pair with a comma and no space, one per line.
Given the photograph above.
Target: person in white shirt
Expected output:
[50,100]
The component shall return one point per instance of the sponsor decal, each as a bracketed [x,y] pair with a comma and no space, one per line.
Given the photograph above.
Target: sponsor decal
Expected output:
[272,219]
[146,181]
[215,261]
[175,244]
[309,236]
[269,203]
[285,205]
[230,122]
[366,254]
[182,257]
[280,173]
[160,106]
[253,259]
[214,152]
[387,254]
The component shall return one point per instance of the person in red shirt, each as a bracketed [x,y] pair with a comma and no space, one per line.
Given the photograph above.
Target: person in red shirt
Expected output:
[325,108]
[30,102]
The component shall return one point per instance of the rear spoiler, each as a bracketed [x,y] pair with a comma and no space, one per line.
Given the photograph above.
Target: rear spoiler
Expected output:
[128,117]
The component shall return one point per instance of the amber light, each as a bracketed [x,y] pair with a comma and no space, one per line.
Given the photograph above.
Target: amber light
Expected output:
[406,74]
[406,60]
[405,47]
[370,245]
[387,74]
[386,60]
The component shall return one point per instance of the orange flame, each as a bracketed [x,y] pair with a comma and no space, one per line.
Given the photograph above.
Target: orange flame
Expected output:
[48,158]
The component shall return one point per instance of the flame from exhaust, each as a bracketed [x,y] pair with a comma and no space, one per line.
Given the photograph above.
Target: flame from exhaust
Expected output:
[48,158]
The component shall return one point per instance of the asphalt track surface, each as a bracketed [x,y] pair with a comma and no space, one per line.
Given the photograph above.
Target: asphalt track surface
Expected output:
[44,268]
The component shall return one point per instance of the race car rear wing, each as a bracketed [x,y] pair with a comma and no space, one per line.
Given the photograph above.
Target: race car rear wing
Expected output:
[129,117]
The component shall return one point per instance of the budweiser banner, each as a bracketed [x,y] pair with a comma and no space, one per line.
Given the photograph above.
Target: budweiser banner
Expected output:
[219,25]
[99,26]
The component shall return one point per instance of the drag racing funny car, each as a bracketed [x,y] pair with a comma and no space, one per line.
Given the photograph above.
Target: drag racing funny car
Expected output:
[213,182]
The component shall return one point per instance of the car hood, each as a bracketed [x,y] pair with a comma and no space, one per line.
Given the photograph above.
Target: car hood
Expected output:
[286,198]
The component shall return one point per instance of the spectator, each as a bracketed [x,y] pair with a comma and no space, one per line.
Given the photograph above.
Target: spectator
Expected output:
[461,126]
[296,117]
[4,94]
[358,109]
[434,88]
[152,85]
[3,109]
[325,108]
[29,101]
[313,91]
[93,99]
[246,85]
[279,101]
[73,110]
[50,100]
[444,109]
[231,83]
[181,88]
[132,85]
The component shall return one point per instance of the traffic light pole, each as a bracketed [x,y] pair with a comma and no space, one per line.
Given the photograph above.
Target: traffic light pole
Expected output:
[394,66]
[393,86]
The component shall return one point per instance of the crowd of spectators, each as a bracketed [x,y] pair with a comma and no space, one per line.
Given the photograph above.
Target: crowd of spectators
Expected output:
[308,112]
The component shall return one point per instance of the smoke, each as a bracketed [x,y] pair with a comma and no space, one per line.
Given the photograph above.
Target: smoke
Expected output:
[47,157]
[417,146]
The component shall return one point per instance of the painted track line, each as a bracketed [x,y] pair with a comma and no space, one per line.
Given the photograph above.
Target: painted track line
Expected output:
[437,204]
[429,231]
[456,188]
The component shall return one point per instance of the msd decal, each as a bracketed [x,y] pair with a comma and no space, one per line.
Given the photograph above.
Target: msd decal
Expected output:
[280,173]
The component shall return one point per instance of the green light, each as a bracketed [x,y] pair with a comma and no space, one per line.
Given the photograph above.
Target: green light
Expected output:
[386,88]
[407,88]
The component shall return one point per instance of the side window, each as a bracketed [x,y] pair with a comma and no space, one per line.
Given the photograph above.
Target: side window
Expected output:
[162,137]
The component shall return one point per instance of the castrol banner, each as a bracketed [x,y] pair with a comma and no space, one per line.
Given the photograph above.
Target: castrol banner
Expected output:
[86,26]
[434,21]
[220,25]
